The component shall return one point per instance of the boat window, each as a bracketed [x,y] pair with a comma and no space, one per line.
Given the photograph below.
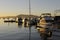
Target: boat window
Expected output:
[49,20]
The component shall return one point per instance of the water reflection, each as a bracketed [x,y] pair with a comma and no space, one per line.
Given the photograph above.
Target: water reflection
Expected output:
[23,25]
[17,31]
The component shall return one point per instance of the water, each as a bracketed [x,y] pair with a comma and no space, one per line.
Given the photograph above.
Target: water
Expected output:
[12,31]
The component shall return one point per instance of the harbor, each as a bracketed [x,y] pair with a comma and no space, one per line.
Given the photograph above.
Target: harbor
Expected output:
[29,19]
[20,30]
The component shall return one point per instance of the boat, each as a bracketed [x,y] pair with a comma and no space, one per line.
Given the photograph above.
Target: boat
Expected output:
[45,26]
[9,21]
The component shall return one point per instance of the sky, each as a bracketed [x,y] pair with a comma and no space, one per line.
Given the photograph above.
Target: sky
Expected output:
[16,7]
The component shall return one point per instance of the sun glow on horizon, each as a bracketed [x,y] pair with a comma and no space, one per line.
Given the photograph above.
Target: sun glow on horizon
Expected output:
[17,7]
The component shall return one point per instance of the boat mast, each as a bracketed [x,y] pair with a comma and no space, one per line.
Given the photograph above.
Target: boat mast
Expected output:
[29,20]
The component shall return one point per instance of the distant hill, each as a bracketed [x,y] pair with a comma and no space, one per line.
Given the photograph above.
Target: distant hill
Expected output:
[26,16]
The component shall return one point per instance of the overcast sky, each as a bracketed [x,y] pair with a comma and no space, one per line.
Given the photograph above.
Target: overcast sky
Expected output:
[15,7]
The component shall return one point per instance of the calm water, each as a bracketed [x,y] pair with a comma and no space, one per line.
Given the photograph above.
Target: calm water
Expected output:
[12,31]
